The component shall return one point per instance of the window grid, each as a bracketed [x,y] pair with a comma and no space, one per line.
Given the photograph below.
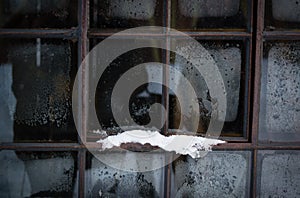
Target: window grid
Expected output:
[255,36]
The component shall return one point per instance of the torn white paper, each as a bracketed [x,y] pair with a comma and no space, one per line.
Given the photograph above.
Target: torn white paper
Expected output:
[100,132]
[181,144]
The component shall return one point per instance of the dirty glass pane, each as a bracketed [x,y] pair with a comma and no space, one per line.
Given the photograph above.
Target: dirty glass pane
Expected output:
[142,98]
[38,174]
[218,174]
[105,181]
[278,173]
[38,13]
[280,82]
[209,14]
[125,14]
[282,14]
[36,81]
[228,56]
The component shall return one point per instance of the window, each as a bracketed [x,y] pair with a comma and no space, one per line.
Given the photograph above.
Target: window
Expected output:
[254,43]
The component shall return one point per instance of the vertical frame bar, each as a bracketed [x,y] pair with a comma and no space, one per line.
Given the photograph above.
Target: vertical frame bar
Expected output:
[249,77]
[81,175]
[82,51]
[167,8]
[256,99]
[257,70]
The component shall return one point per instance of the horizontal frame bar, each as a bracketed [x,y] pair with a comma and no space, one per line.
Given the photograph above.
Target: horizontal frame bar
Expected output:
[136,146]
[284,35]
[96,33]
[40,33]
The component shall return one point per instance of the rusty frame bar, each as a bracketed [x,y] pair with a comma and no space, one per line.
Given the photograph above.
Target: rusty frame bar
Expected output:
[139,147]
[257,70]
[40,146]
[256,92]
[81,175]
[281,35]
[166,102]
[83,19]
[40,33]
[95,33]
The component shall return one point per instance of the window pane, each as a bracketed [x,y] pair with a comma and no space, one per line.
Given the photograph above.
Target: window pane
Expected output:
[212,14]
[280,107]
[37,174]
[105,181]
[282,14]
[38,14]
[125,14]
[229,58]
[140,103]
[36,77]
[218,174]
[278,174]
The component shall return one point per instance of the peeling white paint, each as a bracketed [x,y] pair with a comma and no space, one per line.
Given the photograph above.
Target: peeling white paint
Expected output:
[181,144]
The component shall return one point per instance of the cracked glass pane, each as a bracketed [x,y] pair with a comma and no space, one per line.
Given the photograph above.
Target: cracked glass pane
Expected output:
[278,173]
[228,56]
[38,174]
[209,14]
[105,181]
[126,14]
[218,174]
[279,18]
[35,97]
[280,82]
[38,13]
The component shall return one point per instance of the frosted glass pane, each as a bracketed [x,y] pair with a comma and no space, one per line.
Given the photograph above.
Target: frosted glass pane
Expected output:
[38,13]
[218,174]
[212,14]
[37,174]
[282,14]
[126,14]
[35,95]
[105,181]
[280,107]
[228,58]
[278,174]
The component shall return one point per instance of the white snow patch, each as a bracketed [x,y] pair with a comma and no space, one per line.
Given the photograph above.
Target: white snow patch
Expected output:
[181,144]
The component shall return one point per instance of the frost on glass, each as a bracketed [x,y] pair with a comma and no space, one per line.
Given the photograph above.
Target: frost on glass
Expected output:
[228,58]
[38,76]
[210,14]
[38,13]
[104,181]
[279,174]
[211,8]
[126,13]
[288,10]
[218,174]
[280,106]
[26,174]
